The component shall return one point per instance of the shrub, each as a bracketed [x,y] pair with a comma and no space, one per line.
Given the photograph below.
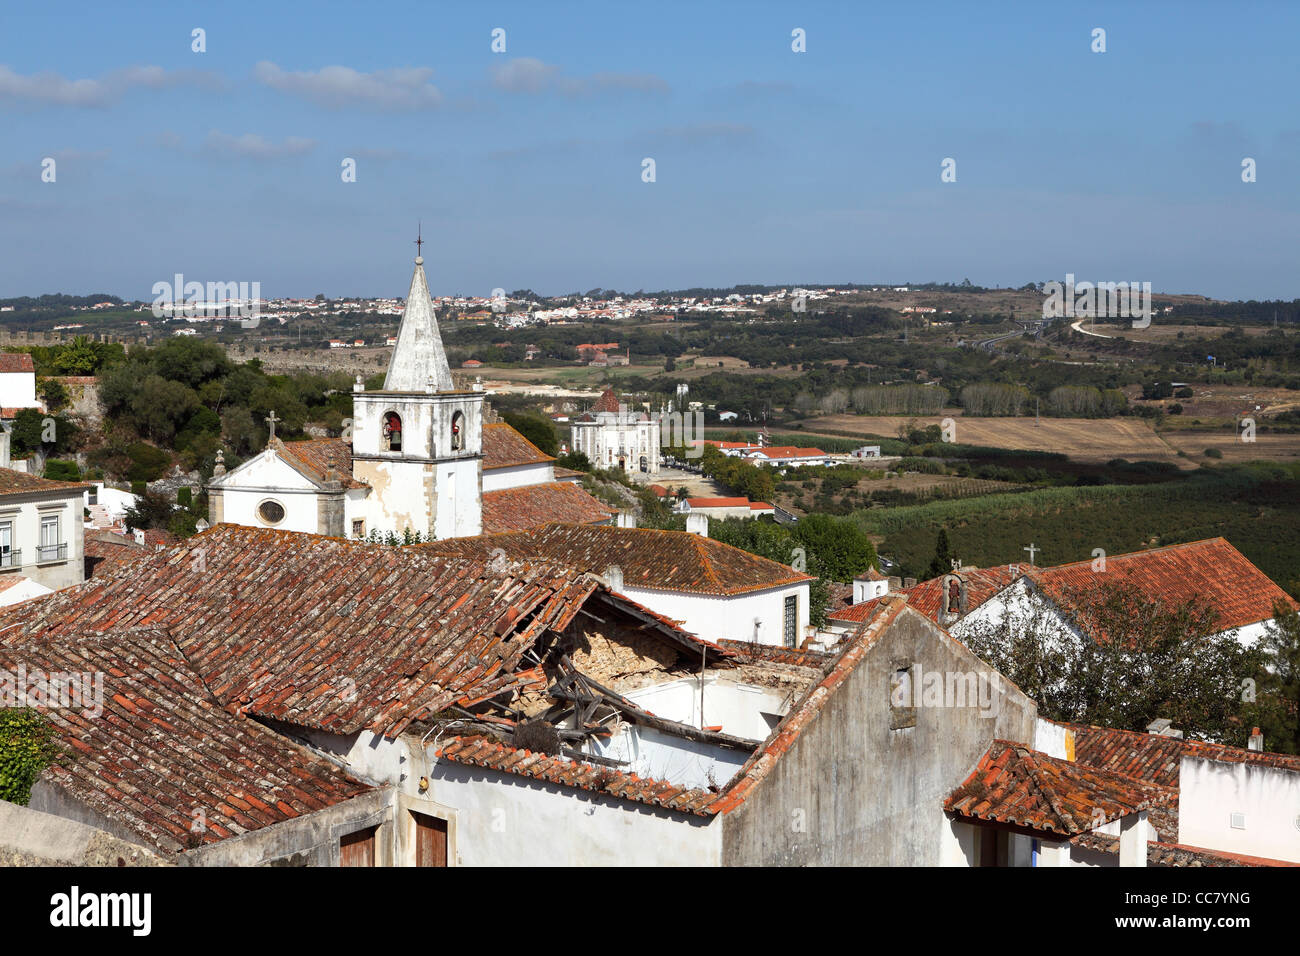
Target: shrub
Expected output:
[27,746]
[147,462]
[1213,453]
[59,470]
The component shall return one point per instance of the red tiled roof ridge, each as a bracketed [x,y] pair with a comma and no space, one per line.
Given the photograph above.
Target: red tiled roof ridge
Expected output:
[1192,747]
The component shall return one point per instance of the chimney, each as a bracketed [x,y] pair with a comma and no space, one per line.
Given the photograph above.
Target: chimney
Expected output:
[4,447]
[139,536]
[614,577]
[1256,740]
[1163,727]
[698,524]
[909,582]
[626,519]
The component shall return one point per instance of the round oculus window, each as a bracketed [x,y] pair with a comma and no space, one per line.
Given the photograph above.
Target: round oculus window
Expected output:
[272,512]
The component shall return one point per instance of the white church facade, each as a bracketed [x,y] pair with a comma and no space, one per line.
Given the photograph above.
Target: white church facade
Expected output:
[613,436]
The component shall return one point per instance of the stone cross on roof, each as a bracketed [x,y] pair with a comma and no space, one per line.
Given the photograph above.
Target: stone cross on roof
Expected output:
[271,420]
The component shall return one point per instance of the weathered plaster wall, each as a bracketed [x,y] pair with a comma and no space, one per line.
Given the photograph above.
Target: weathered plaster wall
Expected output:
[852,791]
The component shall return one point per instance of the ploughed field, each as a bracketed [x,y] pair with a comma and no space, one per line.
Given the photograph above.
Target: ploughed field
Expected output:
[1086,439]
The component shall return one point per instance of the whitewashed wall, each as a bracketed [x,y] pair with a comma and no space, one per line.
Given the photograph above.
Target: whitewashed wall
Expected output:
[732,617]
[18,390]
[264,477]
[1210,791]
[517,476]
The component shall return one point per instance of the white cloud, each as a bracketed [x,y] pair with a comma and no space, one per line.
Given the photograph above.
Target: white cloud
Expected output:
[529,75]
[336,87]
[252,146]
[55,90]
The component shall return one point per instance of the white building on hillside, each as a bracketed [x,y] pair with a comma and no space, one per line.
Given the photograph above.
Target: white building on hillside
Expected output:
[613,436]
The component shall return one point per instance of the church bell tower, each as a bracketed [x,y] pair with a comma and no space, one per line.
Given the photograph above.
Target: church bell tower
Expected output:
[418,441]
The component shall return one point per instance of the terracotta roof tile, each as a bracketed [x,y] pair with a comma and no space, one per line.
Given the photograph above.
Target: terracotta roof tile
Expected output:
[608,402]
[18,482]
[504,447]
[16,362]
[1211,570]
[1021,787]
[531,506]
[649,558]
[321,632]
[164,748]
[313,457]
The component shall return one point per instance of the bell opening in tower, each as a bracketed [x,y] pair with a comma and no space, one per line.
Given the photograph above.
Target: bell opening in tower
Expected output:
[393,431]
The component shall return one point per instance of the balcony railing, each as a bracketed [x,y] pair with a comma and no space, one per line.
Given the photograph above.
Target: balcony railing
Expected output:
[13,558]
[51,552]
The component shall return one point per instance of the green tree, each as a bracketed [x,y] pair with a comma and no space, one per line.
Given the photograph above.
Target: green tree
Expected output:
[27,746]
[159,406]
[941,564]
[58,470]
[53,393]
[842,549]
[78,357]
[1278,685]
[536,429]
[1129,661]
[153,509]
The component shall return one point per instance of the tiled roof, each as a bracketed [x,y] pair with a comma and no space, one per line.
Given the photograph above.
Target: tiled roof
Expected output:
[718,502]
[566,474]
[1150,757]
[321,632]
[790,451]
[783,736]
[18,482]
[164,748]
[981,584]
[649,558]
[104,550]
[1212,571]
[531,506]
[608,402]
[1157,758]
[1176,854]
[16,362]
[313,457]
[481,751]
[747,650]
[504,447]
[1021,787]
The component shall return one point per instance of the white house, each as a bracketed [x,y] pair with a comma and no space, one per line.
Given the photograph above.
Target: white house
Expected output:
[721,508]
[1210,571]
[787,455]
[17,382]
[714,590]
[41,529]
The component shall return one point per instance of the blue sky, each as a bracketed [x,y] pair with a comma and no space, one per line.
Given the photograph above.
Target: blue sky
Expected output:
[771,166]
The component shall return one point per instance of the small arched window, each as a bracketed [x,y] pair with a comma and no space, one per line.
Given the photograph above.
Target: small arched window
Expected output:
[457,431]
[392,431]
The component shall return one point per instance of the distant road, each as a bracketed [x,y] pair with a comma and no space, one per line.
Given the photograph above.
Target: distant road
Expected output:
[1077,325]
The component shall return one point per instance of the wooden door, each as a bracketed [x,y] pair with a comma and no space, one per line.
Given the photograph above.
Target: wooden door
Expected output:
[358,849]
[430,840]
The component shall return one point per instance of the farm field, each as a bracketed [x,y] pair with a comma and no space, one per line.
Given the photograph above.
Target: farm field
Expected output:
[1085,439]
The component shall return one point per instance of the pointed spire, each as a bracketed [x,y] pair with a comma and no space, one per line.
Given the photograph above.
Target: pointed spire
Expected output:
[418,357]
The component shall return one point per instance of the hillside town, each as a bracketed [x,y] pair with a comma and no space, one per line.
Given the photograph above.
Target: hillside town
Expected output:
[429,643]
